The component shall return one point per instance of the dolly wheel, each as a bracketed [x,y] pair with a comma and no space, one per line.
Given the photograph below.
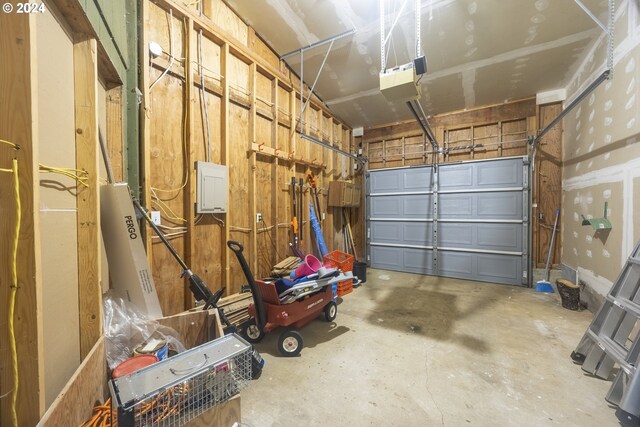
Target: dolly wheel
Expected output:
[252,333]
[330,311]
[290,343]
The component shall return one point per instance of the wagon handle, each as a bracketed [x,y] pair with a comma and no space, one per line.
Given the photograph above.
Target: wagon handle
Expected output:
[261,317]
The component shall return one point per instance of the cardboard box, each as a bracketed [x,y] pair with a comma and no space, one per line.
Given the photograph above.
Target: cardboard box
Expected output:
[131,277]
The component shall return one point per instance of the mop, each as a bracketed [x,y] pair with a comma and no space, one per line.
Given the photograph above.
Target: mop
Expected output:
[544,285]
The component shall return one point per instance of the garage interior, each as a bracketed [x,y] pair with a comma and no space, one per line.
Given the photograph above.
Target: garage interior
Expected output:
[362,212]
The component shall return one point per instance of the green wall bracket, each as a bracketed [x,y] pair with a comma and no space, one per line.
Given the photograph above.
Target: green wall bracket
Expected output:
[599,223]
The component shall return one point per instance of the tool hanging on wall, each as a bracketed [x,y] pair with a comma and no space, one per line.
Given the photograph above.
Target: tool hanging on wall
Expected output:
[300,211]
[314,188]
[317,230]
[294,214]
[199,289]
[351,246]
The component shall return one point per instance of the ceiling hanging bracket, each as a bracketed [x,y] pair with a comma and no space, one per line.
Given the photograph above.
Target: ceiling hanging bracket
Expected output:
[302,50]
[608,29]
[607,74]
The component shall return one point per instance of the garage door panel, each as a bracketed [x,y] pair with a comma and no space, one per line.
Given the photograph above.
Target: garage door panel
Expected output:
[386,258]
[385,232]
[418,260]
[455,206]
[494,205]
[505,173]
[412,233]
[401,180]
[417,207]
[456,235]
[385,207]
[499,237]
[417,179]
[506,205]
[455,264]
[401,207]
[481,221]
[418,233]
[385,182]
[455,176]
[500,268]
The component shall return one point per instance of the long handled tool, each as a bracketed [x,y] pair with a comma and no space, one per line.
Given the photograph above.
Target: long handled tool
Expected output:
[349,234]
[314,187]
[201,292]
[294,213]
[300,211]
[197,286]
[545,285]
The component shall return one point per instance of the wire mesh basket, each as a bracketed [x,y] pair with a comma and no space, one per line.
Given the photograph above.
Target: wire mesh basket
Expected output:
[176,390]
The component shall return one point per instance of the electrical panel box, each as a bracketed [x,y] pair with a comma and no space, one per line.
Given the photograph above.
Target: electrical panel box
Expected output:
[212,188]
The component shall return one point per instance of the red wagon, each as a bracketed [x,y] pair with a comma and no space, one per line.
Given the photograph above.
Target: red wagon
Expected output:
[268,313]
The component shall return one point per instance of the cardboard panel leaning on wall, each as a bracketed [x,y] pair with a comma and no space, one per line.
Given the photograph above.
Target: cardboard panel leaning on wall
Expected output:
[57,207]
[602,150]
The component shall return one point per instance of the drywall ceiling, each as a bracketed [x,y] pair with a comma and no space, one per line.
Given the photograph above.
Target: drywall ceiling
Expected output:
[479,52]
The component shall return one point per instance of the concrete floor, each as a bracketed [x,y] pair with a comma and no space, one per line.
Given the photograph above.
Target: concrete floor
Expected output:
[411,350]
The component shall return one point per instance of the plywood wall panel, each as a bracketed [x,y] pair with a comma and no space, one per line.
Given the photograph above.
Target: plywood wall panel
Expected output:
[264,134]
[266,230]
[257,45]
[516,131]
[161,29]
[210,59]
[487,136]
[284,210]
[167,172]
[225,18]
[239,216]
[258,106]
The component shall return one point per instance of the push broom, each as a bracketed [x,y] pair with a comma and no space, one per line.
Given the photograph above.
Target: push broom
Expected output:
[544,285]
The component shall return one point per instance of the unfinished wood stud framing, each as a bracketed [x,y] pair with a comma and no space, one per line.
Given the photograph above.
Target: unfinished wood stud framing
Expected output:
[88,202]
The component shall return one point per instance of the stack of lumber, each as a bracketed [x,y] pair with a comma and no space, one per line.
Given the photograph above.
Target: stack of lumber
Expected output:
[283,268]
[235,307]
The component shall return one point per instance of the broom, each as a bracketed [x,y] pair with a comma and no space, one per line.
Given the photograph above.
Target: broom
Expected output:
[544,285]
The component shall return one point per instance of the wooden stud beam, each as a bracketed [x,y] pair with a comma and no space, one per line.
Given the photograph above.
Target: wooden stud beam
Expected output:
[224,154]
[18,121]
[190,191]
[145,126]
[235,47]
[274,171]
[253,258]
[115,132]
[85,67]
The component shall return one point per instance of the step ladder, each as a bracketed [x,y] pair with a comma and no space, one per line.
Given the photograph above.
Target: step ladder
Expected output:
[611,345]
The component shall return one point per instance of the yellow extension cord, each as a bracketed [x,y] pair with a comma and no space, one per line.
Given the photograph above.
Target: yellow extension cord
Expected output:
[14,289]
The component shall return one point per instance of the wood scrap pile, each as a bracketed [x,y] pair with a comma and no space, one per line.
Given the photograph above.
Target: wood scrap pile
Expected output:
[235,307]
[284,267]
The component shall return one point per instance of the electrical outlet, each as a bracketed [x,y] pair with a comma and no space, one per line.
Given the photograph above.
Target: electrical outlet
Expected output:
[258,217]
[323,216]
[155,217]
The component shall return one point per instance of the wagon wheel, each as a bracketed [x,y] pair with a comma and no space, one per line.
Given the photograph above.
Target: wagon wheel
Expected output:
[290,343]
